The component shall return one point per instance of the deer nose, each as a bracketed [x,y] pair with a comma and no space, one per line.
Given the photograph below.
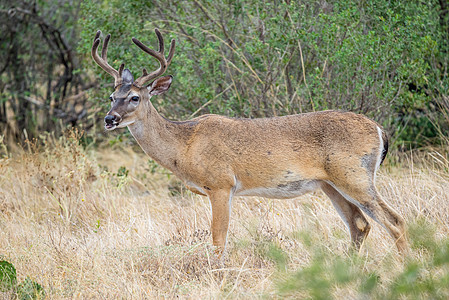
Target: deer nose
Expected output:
[110,119]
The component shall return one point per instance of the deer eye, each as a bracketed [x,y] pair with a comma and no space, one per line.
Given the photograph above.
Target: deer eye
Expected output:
[135,98]
[110,98]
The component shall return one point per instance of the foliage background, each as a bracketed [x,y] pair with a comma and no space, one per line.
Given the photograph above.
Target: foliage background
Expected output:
[385,59]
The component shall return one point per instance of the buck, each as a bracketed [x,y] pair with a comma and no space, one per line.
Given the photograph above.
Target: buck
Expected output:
[279,157]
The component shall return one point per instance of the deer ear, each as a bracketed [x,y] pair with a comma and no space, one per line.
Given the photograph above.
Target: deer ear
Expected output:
[160,85]
[127,77]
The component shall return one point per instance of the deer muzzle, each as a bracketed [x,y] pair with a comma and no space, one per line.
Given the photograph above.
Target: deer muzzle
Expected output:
[111,121]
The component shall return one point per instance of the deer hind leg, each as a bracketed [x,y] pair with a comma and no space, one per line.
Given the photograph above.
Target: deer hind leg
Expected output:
[220,201]
[363,194]
[356,222]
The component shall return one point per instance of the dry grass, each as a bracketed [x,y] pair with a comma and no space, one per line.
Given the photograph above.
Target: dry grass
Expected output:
[81,226]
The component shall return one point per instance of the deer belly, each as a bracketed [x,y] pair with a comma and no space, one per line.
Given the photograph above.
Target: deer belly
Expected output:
[282,190]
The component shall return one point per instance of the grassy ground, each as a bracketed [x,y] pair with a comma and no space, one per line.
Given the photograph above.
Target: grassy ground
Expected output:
[110,224]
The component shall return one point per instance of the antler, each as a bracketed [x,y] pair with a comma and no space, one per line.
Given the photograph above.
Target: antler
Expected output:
[159,55]
[102,60]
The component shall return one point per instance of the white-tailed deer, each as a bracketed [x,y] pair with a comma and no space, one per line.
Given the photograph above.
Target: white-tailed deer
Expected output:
[280,157]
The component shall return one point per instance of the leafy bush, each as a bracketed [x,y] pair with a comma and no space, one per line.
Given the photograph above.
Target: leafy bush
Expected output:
[8,276]
[42,88]
[426,277]
[246,58]
[27,289]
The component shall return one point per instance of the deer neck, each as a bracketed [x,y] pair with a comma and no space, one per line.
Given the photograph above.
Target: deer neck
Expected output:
[160,138]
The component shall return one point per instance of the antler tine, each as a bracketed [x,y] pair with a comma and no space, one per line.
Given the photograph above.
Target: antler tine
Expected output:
[161,40]
[120,70]
[104,50]
[159,55]
[103,61]
[171,52]
[153,53]
[97,35]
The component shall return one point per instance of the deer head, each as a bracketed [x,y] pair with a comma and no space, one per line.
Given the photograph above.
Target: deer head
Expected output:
[129,94]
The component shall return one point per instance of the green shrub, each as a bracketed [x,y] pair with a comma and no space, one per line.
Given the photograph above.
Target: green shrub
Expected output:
[28,289]
[423,277]
[385,59]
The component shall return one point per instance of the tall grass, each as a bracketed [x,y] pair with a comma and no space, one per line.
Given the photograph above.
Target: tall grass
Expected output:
[109,223]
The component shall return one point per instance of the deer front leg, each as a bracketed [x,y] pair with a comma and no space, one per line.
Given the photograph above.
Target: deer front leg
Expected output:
[220,201]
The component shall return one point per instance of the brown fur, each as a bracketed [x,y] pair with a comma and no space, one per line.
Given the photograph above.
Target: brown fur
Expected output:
[220,157]
[281,157]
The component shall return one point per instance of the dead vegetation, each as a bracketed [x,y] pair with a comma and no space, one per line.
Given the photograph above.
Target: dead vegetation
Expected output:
[89,223]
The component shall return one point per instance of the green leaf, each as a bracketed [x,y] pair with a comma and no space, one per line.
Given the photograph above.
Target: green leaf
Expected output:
[8,276]
[29,289]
